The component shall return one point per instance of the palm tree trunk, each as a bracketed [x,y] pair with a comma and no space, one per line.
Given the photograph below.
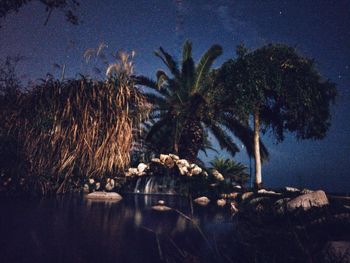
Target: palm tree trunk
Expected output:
[257,158]
[191,140]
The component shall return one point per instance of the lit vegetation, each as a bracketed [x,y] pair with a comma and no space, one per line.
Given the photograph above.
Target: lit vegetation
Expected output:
[72,130]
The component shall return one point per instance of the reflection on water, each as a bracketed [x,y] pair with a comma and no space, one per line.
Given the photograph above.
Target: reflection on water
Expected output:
[73,229]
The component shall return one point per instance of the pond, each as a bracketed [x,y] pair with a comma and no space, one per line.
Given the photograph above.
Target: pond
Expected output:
[72,229]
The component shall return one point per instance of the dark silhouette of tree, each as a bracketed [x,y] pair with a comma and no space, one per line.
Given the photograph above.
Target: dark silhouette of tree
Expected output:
[185,108]
[66,6]
[281,90]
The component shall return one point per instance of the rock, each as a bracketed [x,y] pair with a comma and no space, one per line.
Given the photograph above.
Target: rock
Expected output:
[169,162]
[86,188]
[307,201]
[163,157]
[221,202]
[280,205]
[258,200]
[218,176]
[306,191]
[156,160]
[161,208]
[110,184]
[174,157]
[203,200]
[246,195]
[291,189]
[183,166]
[233,206]
[337,251]
[141,168]
[196,170]
[161,202]
[182,163]
[99,195]
[131,172]
[232,195]
[264,191]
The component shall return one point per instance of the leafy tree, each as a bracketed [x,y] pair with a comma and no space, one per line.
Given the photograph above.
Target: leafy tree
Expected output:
[281,90]
[234,171]
[184,106]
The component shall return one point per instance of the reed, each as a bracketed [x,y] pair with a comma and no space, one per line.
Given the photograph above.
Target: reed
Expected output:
[77,129]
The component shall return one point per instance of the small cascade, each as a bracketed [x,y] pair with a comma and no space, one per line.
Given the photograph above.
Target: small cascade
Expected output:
[136,190]
[154,185]
[149,185]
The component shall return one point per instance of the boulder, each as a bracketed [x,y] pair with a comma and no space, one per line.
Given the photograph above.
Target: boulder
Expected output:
[174,157]
[141,168]
[307,201]
[169,162]
[195,170]
[291,189]
[280,206]
[221,202]
[232,195]
[161,202]
[306,191]
[337,251]
[218,176]
[183,166]
[156,160]
[86,188]
[110,184]
[163,158]
[233,206]
[259,200]
[246,195]
[99,195]
[203,200]
[131,172]
[264,191]
[161,208]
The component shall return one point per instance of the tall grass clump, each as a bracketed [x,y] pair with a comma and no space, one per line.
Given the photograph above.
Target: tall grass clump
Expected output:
[77,129]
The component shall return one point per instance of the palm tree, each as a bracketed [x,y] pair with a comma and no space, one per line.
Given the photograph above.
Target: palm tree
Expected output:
[184,106]
[235,171]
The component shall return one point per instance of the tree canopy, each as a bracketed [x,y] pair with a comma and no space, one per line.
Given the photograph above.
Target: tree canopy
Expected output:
[281,89]
[185,108]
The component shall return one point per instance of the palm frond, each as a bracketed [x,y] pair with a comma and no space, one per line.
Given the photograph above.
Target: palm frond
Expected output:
[205,64]
[225,141]
[169,61]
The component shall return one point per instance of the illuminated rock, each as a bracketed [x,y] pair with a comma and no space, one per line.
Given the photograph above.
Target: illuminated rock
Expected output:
[99,195]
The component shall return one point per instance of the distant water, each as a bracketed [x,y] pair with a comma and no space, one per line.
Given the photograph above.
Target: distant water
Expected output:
[72,229]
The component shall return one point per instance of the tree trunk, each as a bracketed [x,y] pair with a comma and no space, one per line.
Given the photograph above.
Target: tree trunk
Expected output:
[191,140]
[257,158]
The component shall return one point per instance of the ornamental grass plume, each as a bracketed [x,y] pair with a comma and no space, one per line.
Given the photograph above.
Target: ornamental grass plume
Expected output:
[77,129]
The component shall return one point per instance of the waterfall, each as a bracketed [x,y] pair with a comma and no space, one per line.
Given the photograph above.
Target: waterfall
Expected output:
[149,185]
[136,190]
[155,185]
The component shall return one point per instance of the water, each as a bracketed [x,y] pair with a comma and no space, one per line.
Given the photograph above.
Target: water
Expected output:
[154,185]
[73,229]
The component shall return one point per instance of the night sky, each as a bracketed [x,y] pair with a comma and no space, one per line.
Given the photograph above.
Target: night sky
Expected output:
[319,29]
